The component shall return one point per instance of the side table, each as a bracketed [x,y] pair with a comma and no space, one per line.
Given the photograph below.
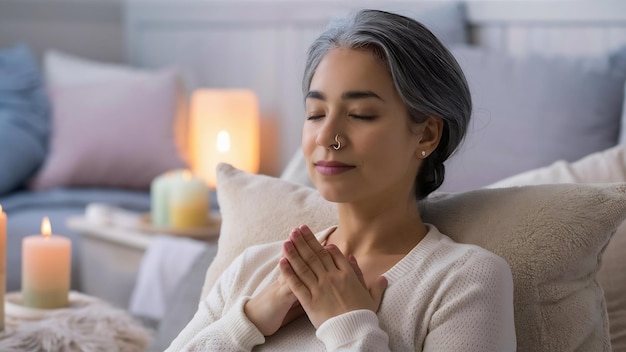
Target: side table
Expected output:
[87,323]
[111,256]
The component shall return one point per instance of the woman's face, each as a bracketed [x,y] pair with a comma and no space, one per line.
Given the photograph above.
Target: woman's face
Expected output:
[352,94]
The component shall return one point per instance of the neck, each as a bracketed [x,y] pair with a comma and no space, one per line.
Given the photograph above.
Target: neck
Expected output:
[378,229]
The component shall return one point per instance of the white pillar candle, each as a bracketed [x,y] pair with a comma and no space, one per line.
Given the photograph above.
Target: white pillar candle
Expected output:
[188,202]
[3,263]
[46,268]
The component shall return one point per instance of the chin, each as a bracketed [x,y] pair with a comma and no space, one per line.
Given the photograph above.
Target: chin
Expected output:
[332,193]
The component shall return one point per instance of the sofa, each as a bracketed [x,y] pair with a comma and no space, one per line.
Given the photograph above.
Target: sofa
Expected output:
[500,193]
[537,120]
[58,175]
[529,113]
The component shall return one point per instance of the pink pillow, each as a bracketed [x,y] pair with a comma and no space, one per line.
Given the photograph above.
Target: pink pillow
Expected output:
[117,133]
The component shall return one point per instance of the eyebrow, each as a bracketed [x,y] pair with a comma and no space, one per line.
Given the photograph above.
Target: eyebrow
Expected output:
[351,95]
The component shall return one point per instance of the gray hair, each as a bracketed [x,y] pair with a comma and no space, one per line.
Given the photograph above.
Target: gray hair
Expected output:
[426,75]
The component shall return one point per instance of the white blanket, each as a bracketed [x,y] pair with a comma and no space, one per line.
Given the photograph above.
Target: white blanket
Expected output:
[164,264]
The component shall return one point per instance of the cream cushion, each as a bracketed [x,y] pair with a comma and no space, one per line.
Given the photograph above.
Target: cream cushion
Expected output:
[606,166]
[551,235]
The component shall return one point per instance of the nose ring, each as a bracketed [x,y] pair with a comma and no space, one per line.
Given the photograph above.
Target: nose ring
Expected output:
[337,144]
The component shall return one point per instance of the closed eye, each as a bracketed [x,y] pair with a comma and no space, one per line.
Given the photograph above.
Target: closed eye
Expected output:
[364,117]
[314,117]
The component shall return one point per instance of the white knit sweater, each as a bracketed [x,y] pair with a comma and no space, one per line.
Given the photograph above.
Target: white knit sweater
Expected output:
[442,296]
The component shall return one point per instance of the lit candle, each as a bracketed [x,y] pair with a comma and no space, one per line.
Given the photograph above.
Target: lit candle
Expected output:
[188,201]
[224,126]
[3,263]
[46,261]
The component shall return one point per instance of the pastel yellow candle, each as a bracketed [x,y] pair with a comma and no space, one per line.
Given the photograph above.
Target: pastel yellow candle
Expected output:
[189,202]
[3,263]
[46,267]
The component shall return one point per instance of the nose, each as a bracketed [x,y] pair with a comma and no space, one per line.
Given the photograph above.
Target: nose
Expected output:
[329,128]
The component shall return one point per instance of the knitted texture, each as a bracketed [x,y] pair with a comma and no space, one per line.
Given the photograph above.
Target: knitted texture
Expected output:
[552,237]
[441,296]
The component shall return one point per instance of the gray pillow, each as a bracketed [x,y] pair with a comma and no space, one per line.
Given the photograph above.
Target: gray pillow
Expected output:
[531,112]
[528,113]
[296,170]
[24,117]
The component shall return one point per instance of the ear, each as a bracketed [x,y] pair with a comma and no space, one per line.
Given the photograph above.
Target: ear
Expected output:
[431,135]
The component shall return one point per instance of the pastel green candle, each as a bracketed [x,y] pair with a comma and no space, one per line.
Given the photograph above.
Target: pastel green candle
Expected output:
[159,198]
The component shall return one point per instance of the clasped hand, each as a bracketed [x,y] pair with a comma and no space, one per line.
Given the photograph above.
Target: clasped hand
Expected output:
[315,280]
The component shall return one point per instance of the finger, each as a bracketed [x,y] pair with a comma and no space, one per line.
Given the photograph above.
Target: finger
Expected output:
[312,251]
[339,259]
[315,244]
[357,269]
[378,289]
[297,265]
[298,288]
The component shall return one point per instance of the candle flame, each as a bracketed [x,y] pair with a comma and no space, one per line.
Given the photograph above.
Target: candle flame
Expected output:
[223,142]
[46,229]
[186,175]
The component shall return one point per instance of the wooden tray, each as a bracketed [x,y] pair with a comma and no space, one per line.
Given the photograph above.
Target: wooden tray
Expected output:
[211,230]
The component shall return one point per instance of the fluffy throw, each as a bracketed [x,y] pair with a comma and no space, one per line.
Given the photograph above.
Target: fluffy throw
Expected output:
[88,325]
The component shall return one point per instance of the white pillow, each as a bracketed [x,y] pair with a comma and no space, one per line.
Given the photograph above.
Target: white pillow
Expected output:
[602,167]
[552,237]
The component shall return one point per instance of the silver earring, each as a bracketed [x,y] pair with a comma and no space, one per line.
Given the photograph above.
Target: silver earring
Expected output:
[337,144]
[423,153]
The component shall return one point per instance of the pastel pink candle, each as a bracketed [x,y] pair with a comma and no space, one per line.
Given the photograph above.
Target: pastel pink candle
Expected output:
[46,267]
[3,263]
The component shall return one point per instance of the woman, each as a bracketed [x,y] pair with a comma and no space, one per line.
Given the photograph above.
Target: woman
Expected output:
[386,105]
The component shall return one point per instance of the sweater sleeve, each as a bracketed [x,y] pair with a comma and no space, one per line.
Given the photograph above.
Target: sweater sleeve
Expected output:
[209,330]
[353,331]
[476,310]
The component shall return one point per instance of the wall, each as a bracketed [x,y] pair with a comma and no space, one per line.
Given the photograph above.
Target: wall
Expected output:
[262,45]
[92,29]
[219,44]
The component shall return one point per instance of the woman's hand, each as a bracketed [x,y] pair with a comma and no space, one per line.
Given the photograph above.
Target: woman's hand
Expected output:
[273,307]
[324,281]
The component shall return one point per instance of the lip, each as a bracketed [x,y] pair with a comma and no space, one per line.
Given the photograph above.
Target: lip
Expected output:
[329,168]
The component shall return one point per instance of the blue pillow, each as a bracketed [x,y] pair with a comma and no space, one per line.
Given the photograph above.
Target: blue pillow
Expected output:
[24,117]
